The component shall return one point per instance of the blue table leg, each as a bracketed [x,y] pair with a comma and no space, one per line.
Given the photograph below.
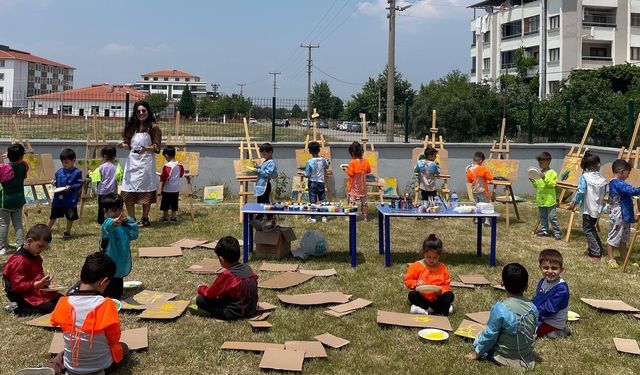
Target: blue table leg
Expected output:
[380,234]
[492,256]
[250,217]
[245,238]
[479,239]
[387,241]
[352,240]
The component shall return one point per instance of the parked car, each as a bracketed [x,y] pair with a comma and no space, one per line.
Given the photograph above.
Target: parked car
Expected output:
[354,127]
[282,122]
[323,124]
[252,120]
[344,125]
[304,122]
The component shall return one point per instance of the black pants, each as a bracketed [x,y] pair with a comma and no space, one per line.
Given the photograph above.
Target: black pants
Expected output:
[100,210]
[590,232]
[25,308]
[115,288]
[440,306]
[426,195]
[214,307]
[266,199]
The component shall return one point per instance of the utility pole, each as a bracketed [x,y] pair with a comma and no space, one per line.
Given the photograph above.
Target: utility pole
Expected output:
[241,86]
[379,125]
[274,82]
[391,65]
[543,51]
[309,47]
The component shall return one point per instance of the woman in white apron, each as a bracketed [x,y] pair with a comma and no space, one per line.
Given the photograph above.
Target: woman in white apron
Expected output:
[141,136]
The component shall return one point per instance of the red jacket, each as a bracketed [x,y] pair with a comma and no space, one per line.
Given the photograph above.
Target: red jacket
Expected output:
[238,287]
[20,274]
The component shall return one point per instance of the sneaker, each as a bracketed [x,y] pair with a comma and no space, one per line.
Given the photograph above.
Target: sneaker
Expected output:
[173,218]
[164,220]
[613,264]
[144,222]
[311,220]
[418,310]
[195,310]
[10,307]
[324,219]
[542,233]
[3,251]
[451,310]
[66,236]
[36,371]
[557,237]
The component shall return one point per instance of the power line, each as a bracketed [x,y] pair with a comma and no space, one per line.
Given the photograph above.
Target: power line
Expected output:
[309,65]
[338,79]
[341,23]
[321,19]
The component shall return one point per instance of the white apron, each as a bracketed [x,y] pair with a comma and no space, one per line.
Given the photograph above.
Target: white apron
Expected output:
[140,171]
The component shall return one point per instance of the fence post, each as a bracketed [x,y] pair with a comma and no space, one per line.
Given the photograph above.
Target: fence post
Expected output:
[406,121]
[126,108]
[273,119]
[567,121]
[530,121]
[630,118]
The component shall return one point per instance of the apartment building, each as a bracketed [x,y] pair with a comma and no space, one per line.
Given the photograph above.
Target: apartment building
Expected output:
[23,74]
[562,35]
[171,83]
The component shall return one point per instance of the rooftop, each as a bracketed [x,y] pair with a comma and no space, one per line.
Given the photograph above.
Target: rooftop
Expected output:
[8,53]
[96,92]
[169,73]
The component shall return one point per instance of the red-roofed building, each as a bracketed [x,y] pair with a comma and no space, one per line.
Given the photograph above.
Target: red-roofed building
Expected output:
[23,74]
[171,83]
[105,99]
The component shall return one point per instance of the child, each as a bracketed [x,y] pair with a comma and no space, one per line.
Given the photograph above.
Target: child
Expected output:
[621,214]
[357,171]
[479,176]
[266,171]
[591,190]
[13,198]
[427,169]
[65,203]
[430,271]
[314,170]
[24,276]
[117,232]
[170,178]
[234,293]
[552,297]
[545,186]
[107,176]
[90,323]
[508,338]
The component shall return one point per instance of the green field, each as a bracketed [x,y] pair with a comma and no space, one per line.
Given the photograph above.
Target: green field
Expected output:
[190,344]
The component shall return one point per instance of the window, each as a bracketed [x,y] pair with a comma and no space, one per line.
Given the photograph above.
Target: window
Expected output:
[604,17]
[554,87]
[146,78]
[155,78]
[531,25]
[635,19]
[1,63]
[1,76]
[1,89]
[473,64]
[508,59]
[598,52]
[554,54]
[67,109]
[554,22]
[95,110]
[177,79]
[187,79]
[166,78]
[486,37]
[511,29]
[37,79]
[635,53]
[486,63]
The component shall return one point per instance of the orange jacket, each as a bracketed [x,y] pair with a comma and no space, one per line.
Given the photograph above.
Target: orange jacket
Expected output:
[479,176]
[357,170]
[438,275]
[101,320]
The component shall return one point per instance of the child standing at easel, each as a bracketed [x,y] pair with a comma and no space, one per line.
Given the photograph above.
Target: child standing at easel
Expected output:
[107,176]
[545,186]
[357,170]
[621,214]
[427,170]
[314,170]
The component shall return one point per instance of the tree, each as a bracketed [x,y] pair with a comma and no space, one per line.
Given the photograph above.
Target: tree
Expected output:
[324,101]
[187,105]
[157,102]
[296,111]
[233,106]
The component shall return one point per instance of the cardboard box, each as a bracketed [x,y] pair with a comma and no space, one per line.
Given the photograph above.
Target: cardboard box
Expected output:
[274,245]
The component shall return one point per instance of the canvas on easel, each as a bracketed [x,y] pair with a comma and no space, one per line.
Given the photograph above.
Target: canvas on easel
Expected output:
[92,160]
[442,158]
[245,168]
[376,187]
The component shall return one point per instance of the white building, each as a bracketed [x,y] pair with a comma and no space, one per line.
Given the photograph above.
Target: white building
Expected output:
[567,35]
[23,74]
[105,99]
[171,83]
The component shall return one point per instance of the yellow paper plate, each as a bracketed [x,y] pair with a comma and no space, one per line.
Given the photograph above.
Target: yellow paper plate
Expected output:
[433,334]
[572,316]
[428,288]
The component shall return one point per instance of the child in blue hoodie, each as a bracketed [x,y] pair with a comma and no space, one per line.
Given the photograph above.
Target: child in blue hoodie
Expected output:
[552,297]
[65,202]
[621,214]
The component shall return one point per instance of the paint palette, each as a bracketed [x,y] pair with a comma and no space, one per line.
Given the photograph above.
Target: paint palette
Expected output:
[533,173]
[428,288]
[60,189]
[572,316]
[433,334]
[132,284]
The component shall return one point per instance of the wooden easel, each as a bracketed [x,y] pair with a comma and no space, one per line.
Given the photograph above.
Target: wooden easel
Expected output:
[95,141]
[568,189]
[500,151]
[177,140]
[247,152]
[377,188]
[443,155]
[300,173]
[632,155]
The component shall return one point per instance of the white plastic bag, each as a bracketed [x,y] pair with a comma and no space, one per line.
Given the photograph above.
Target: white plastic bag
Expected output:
[312,244]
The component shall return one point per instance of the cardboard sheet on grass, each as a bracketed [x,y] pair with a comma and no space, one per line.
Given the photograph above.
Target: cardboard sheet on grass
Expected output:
[279,267]
[260,324]
[481,317]
[474,279]
[145,298]
[250,346]
[159,252]
[469,329]
[311,349]
[628,346]
[261,315]
[331,340]
[320,273]
[285,280]
[458,284]
[356,304]
[311,299]
[136,339]
[413,320]
[164,310]
[41,321]
[206,266]
[609,305]
[187,243]
[266,306]
[281,359]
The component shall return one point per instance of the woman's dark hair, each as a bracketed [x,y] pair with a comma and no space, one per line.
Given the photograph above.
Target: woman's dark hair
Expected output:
[108,152]
[432,243]
[589,161]
[356,150]
[132,124]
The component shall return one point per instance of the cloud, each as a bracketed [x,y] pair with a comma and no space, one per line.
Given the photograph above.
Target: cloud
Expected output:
[419,12]
[160,48]
[115,49]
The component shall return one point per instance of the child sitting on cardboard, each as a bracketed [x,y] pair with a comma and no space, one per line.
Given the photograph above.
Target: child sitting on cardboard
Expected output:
[234,293]
[552,297]
[24,276]
[90,323]
[509,335]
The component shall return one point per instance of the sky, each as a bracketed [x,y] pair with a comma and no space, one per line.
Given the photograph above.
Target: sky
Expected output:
[241,41]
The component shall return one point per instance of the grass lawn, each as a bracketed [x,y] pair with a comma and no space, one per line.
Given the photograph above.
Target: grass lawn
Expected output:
[190,344]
